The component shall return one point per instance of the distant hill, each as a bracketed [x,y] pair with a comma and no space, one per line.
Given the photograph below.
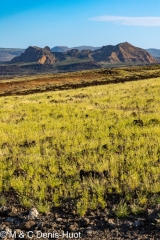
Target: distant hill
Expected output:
[6,54]
[80,48]
[60,49]
[154,52]
[123,52]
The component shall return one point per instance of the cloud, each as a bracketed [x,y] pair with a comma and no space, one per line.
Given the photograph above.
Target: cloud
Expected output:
[130,21]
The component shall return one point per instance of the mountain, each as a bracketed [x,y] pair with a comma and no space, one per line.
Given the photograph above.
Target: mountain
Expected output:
[6,54]
[154,52]
[80,48]
[60,49]
[36,54]
[45,56]
[75,53]
[123,52]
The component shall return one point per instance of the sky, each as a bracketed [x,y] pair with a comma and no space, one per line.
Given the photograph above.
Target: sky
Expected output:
[74,23]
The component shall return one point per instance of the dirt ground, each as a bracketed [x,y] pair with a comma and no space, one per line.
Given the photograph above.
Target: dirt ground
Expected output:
[63,223]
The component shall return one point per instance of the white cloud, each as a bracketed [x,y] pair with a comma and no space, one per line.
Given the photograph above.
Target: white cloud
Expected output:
[130,21]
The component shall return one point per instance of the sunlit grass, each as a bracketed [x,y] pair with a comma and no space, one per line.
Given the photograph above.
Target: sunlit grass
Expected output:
[45,139]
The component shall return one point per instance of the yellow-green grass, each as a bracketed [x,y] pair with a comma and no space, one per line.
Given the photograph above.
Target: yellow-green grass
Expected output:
[45,139]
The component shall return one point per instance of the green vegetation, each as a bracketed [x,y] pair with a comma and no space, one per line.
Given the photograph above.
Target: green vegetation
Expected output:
[71,60]
[45,139]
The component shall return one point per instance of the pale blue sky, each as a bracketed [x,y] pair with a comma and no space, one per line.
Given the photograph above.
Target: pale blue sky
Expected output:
[83,22]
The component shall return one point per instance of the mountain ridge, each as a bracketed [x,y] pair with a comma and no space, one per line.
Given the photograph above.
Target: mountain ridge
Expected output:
[7,54]
[154,52]
[122,52]
[80,48]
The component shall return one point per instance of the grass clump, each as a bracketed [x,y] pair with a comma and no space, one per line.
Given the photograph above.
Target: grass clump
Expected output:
[2,200]
[122,210]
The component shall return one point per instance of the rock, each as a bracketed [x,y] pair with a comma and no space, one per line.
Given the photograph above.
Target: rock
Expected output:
[33,213]
[56,215]
[1,228]
[27,225]
[18,231]
[137,223]
[153,214]
[59,220]
[4,211]
[84,222]
[89,231]
[157,221]
[128,224]
[13,211]
[73,227]
[10,219]
[109,223]
[7,230]
[92,214]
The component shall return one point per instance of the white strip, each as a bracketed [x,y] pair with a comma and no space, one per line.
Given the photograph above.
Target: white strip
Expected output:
[131,21]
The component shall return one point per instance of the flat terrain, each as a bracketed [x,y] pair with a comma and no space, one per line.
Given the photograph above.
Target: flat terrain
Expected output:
[48,137]
[61,81]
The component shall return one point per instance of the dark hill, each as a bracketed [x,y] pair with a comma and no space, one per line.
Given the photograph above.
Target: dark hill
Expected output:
[75,53]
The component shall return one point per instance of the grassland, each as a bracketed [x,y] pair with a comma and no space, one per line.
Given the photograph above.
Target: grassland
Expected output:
[49,82]
[46,138]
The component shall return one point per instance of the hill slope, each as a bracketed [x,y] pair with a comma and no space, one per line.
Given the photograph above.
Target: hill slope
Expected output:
[123,52]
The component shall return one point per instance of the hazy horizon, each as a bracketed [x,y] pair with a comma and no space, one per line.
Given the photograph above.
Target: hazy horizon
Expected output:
[69,47]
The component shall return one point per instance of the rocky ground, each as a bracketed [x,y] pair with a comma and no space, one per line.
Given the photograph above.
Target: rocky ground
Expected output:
[59,224]
[62,223]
